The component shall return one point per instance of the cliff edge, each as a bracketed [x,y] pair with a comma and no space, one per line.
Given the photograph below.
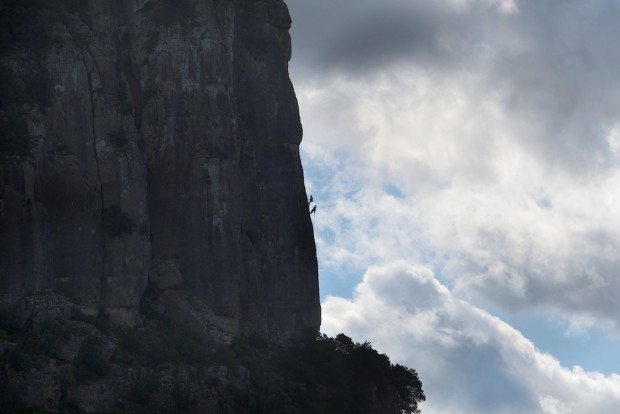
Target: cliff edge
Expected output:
[149,151]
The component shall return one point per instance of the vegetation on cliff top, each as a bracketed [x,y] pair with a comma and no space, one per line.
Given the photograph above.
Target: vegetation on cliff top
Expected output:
[314,375]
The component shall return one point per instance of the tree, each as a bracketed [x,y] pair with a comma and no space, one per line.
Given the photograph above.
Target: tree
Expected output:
[408,387]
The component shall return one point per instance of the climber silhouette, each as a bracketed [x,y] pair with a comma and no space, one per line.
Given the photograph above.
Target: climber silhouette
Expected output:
[313,210]
[310,200]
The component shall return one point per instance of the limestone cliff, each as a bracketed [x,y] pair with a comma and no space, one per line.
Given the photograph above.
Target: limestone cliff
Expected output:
[149,150]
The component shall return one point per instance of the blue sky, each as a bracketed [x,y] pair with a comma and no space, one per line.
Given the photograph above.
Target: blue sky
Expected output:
[465,160]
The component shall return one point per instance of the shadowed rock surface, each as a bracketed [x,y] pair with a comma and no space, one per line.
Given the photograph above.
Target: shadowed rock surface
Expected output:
[54,359]
[150,151]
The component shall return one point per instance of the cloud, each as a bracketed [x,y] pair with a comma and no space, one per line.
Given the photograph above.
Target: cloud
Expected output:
[436,171]
[480,139]
[468,360]
[522,250]
[550,65]
[500,170]
[368,35]
[384,38]
[558,76]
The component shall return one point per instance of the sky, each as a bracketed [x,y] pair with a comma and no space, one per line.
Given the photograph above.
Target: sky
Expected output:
[464,156]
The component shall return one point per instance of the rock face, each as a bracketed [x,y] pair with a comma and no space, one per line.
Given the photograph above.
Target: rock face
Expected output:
[155,140]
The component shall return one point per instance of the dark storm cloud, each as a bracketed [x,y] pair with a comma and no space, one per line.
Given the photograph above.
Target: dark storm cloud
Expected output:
[554,63]
[363,36]
[382,40]
[562,79]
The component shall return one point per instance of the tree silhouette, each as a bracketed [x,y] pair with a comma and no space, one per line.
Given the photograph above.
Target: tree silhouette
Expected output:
[355,374]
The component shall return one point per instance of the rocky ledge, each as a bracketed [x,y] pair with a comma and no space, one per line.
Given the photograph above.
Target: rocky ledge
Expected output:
[53,358]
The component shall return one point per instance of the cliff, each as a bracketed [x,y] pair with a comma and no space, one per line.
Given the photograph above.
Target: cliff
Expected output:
[149,152]
[156,250]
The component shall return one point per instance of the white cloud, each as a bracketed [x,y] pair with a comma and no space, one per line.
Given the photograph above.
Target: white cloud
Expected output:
[504,225]
[503,6]
[468,360]
[478,138]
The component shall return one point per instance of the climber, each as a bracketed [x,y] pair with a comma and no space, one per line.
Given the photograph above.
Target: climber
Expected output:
[313,210]
[310,200]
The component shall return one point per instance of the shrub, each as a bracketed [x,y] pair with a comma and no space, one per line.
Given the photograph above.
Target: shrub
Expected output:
[8,322]
[142,391]
[164,345]
[351,370]
[23,359]
[90,363]
[101,322]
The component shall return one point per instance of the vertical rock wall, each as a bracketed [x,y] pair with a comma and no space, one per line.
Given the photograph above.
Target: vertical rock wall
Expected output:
[164,142]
